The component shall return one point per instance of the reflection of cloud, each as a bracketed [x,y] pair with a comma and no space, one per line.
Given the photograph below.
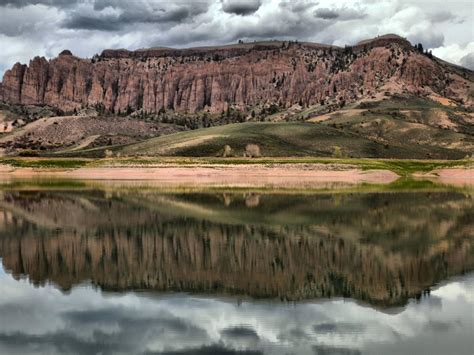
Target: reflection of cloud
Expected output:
[59,342]
[439,326]
[241,332]
[208,350]
[294,334]
[339,328]
[87,321]
[240,336]
[453,291]
[160,324]
[433,302]
[326,350]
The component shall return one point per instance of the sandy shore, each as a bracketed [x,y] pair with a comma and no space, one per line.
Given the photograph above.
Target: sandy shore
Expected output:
[451,176]
[282,175]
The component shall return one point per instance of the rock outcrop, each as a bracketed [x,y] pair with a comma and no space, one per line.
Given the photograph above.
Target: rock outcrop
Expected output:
[244,75]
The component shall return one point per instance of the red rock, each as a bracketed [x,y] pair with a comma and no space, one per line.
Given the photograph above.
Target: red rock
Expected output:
[212,78]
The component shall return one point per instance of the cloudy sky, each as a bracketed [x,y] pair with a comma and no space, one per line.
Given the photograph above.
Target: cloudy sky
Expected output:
[45,27]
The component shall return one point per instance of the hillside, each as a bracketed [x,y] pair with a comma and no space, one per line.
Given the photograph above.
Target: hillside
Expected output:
[379,98]
[392,128]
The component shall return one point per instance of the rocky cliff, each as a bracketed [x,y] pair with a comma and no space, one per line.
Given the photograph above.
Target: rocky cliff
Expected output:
[244,75]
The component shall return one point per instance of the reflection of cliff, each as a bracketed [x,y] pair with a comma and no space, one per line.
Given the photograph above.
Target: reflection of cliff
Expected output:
[382,248]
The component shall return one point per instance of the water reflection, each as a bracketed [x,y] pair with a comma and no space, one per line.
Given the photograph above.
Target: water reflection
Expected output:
[381,248]
[90,271]
[88,321]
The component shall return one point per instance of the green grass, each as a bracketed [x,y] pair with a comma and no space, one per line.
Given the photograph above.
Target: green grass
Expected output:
[403,103]
[408,167]
[47,163]
[45,184]
[282,139]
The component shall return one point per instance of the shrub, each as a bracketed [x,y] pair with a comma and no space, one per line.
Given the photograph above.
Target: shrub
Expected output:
[337,152]
[108,153]
[227,151]
[252,151]
[28,153]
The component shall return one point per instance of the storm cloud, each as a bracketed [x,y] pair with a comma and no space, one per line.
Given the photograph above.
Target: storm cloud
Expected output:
[241,7]
[46,27]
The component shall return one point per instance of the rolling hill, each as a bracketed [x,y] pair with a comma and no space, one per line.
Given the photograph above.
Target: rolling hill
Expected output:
[392,128]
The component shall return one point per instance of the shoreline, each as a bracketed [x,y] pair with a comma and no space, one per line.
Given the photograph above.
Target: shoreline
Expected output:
[284,175]
[450,176]
[283,172]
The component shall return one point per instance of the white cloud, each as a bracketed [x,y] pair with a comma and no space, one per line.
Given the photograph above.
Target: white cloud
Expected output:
[456,53]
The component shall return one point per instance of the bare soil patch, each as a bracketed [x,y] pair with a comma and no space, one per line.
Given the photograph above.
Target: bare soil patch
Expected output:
[452,176]
[283,175]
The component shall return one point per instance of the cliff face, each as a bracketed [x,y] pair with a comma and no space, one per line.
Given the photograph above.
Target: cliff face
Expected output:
[245,75]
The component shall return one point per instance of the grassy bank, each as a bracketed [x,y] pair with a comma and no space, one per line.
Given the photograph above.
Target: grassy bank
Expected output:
[402,167]
[288,139]
[46,163]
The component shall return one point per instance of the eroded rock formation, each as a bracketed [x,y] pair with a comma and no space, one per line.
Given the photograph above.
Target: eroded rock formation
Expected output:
[245,75]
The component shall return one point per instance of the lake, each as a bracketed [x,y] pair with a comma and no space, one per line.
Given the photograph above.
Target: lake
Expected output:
[106,268]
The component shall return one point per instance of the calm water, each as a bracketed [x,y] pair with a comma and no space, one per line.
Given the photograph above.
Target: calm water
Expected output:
[136,270]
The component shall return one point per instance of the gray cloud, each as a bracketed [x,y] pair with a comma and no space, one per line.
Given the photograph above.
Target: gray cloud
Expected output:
[23,3]
[343,14]
[326,13]
[107,15]
[16,21]
[105,23]
[241,7]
